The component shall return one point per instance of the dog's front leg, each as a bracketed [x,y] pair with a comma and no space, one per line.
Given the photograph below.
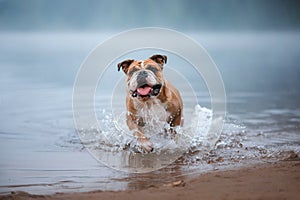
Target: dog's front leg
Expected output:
[135,124]
[175,120]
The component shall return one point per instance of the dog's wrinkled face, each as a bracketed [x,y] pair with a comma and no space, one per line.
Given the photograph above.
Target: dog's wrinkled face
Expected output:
[144,78]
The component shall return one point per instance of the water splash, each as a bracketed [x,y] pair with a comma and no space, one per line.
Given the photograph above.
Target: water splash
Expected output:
[115,135]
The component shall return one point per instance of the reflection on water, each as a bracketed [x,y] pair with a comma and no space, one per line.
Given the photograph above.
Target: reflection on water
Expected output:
[41,152]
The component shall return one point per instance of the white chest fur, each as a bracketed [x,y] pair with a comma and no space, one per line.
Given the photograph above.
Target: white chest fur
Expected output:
[153,112]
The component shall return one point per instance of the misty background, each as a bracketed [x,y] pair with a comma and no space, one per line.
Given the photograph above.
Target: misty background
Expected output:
[194,15]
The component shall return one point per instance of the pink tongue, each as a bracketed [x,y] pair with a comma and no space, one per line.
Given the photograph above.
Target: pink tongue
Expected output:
[144,91]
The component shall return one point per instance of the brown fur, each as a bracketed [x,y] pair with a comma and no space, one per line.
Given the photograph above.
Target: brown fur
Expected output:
[168,96]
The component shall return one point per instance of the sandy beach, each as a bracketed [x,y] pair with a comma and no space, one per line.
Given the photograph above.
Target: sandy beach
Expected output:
[280,180]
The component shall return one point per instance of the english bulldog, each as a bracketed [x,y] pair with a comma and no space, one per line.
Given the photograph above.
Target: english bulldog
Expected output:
[146,88]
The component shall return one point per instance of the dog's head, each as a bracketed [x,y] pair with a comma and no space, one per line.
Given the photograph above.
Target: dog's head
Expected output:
[144,78]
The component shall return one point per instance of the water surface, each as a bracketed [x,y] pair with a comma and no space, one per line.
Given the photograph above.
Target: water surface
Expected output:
[41,151]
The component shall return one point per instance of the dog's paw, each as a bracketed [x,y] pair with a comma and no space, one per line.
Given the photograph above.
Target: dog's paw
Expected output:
[145,145]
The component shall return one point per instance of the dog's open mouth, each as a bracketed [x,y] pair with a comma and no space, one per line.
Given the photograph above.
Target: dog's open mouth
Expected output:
[146,91]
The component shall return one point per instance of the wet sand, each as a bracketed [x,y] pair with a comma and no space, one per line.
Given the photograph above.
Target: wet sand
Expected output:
[279,180]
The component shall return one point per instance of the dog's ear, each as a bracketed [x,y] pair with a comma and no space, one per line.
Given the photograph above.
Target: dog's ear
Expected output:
[160,59]
[125,65]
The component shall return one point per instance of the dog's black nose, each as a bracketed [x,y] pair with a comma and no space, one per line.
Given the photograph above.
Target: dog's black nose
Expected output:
[141,78]
[143,74]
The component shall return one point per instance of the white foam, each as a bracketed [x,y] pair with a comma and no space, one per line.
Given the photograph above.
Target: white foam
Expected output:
[115,135]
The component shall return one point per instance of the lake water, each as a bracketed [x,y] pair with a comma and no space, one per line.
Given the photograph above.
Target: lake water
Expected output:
[40,151]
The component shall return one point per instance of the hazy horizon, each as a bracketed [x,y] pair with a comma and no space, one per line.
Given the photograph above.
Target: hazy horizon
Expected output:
[189,15]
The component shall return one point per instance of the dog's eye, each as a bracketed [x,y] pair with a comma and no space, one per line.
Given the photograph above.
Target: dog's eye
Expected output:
[151,68]
[131,72]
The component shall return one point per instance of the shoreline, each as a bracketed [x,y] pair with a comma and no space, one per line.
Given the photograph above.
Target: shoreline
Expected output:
[279,180]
